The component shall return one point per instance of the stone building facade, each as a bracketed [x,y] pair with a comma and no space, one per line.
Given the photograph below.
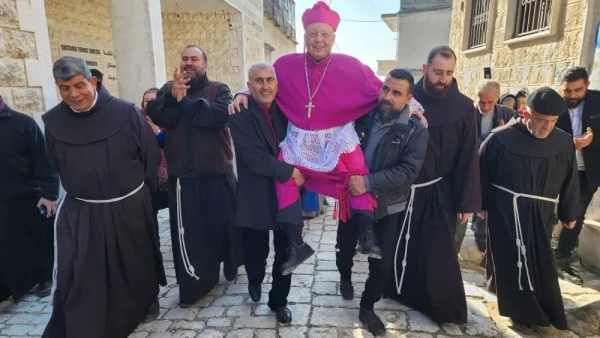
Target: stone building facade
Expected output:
[521,50]
[24,55]
[136,43]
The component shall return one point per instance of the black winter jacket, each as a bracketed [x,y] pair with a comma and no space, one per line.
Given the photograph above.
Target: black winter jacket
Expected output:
[397,161]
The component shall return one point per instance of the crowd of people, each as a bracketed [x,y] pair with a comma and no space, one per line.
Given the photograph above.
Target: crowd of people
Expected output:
[408,162]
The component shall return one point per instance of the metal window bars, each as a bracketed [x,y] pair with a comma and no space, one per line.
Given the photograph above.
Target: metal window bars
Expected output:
[533,16]
[480,10]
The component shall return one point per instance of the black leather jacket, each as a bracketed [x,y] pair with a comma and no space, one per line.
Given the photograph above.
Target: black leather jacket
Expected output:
[396,162]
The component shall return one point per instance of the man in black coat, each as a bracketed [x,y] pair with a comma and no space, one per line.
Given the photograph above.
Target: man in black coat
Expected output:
[257,132]
[28,193]
[582,120]
[193,111]
[490,115]
[394,144]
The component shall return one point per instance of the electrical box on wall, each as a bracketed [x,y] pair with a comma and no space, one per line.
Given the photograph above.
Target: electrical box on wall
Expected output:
[487,73]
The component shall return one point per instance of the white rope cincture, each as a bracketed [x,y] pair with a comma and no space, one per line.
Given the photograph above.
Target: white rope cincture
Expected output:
[407,217]
[112,200]
[60,204]
[55,264]
[521,249]
[189,268]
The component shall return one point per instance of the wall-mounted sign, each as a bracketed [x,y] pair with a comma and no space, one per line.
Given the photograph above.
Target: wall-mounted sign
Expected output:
[95,57]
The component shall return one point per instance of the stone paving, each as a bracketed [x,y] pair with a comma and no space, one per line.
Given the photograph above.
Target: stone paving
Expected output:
[318,309]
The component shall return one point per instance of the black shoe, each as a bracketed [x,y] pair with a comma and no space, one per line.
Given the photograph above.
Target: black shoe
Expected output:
[368,244]
[347,289]
[44,290]
[255,292]
[371,321]
[296,254]
[283,314]
[230,271]
[523,327]
[480,244]
[153,312]
[566,272]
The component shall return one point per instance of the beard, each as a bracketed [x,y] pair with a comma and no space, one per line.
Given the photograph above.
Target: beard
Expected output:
[573,103]
[386,111]
[197,76]
[433,91]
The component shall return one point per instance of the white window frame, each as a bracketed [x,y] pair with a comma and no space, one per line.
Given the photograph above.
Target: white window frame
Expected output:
[489,34]
[510,29]
[269,53]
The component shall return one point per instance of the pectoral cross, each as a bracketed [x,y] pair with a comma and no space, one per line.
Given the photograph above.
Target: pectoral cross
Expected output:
[309,106]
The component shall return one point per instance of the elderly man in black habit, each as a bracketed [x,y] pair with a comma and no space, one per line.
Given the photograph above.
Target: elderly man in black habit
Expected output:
[193,111]
[27,182]
[107,267]
[520,264]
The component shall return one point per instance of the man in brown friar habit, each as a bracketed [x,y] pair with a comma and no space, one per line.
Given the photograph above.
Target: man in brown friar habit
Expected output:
[107,269]
[427,274]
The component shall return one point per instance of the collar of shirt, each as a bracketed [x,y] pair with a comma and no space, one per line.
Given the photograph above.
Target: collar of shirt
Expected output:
[263,108]
[577,110]
[90,108]
[576,116]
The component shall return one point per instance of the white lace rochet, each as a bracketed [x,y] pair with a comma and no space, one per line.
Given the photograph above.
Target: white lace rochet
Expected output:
[318,150]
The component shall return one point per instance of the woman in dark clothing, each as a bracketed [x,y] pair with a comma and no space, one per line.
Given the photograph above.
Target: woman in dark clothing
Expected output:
[160,199]
[508,100]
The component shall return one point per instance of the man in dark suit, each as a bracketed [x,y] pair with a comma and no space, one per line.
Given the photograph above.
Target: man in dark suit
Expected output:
[257,132]
[582,120]
[490,115]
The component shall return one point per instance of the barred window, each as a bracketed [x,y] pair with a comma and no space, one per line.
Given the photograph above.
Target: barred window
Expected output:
[533,16]
[269,53]
[480,10]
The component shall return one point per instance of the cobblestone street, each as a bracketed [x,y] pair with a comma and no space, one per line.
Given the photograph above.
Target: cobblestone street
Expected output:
[317,307]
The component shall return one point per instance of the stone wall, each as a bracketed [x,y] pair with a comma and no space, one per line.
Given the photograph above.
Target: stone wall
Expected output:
[85,24]
[253,42]
[385,66]
[218,33]
[275,38]
[529,64]
[17,49]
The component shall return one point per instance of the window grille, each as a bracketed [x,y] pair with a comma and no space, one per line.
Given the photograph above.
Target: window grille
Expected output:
[533,16]
[480,10]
